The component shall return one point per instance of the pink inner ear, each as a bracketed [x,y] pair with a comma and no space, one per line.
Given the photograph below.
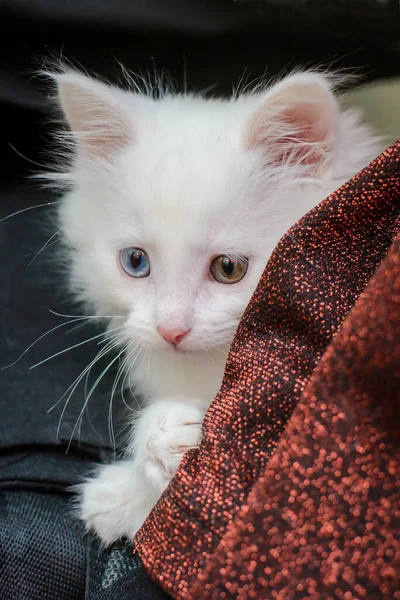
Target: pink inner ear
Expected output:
[307,140]
[100,126]
[104,130]
[301,133]
[109,135]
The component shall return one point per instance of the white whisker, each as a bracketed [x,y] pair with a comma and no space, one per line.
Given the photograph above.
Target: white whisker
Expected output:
[18,212]
[148,364]
[53,312]
[220,350]
[92,389]
[29,160]
[116,380]
[40,338]
[76,327]
[76,382]
[209,354]
[95,337]
[128,374]
[127,371]
[115,383]
[121,367]
[45,245]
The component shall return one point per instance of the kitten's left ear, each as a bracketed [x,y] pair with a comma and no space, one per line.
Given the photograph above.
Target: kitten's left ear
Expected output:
[96,114]
[295,125]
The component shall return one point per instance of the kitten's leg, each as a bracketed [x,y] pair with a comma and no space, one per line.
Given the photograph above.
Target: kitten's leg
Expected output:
[116,503]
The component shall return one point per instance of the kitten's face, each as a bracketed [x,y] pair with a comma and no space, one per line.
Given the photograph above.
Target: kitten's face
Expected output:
[178,203]
[178,255]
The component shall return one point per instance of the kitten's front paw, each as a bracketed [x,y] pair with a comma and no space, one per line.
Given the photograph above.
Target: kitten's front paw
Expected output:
[166,433]
[116,503]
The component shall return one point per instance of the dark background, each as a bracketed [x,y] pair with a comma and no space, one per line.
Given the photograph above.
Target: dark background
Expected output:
[214,42]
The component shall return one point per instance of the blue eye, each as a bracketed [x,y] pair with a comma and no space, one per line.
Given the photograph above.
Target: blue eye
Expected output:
[135,262]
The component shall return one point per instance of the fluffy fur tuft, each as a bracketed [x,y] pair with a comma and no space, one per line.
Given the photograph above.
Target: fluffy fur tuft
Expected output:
[185,179]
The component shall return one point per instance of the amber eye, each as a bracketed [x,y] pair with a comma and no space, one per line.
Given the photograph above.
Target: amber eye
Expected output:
[226,269]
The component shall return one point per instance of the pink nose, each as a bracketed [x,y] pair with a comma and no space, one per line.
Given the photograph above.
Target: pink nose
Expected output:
[173,336]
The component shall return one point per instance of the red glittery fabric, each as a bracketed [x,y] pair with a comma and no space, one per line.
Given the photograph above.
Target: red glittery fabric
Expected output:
[294,491]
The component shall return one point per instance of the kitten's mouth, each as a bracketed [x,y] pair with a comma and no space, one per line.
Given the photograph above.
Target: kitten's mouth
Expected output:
[177,348]
[173,337]
[182,349]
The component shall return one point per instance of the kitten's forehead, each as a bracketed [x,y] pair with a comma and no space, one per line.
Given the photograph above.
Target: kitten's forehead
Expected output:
[188,183]
[191,201]
[185,179]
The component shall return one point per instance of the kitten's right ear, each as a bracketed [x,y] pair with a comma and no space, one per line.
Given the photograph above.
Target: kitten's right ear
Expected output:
[96,114]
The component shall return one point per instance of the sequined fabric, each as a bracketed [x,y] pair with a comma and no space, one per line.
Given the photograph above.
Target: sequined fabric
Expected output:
[310,511]
[323,521]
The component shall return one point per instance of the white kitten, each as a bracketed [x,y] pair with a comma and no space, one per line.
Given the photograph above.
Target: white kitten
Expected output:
[175,206]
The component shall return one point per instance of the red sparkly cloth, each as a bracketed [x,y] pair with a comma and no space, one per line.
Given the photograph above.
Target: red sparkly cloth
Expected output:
[295,490]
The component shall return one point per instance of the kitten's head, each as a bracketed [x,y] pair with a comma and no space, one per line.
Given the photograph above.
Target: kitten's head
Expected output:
[177,203]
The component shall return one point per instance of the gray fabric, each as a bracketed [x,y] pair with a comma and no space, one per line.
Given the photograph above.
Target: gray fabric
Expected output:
[45,555]
[42,549]
[27,295]
[118,573]
[49,467]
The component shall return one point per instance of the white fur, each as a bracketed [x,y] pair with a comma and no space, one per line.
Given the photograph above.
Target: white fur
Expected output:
[186,178]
